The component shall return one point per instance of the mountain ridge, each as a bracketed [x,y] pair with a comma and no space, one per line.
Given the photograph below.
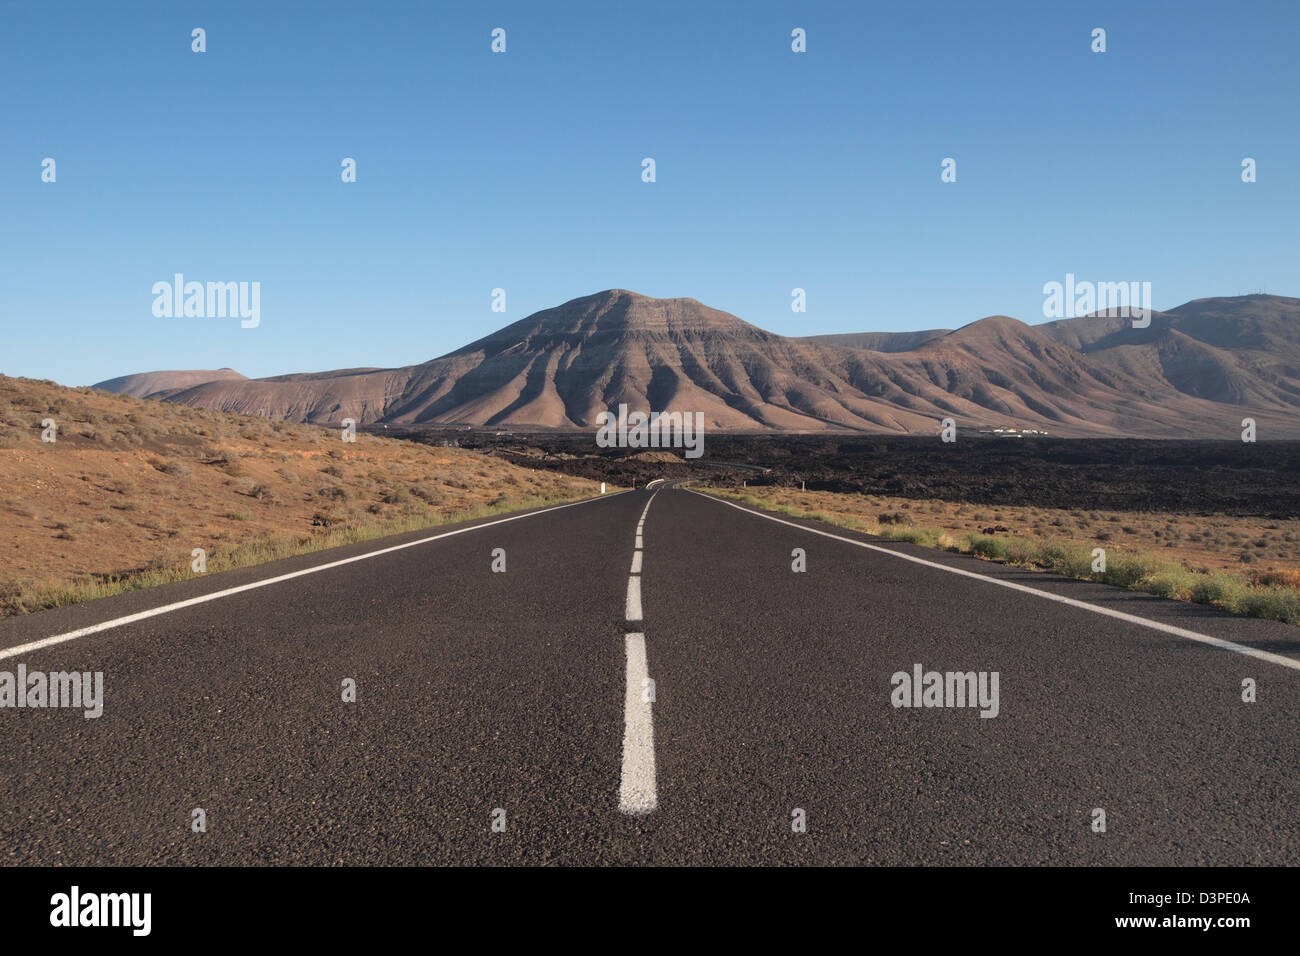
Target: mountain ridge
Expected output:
[1196,371]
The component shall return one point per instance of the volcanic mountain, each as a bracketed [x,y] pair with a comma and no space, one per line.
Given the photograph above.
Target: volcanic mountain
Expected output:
[165,384]
[1195,372]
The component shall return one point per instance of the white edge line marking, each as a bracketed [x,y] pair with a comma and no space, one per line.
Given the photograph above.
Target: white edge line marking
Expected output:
[637,793]
[1047,595]
[632,611]
[217,595]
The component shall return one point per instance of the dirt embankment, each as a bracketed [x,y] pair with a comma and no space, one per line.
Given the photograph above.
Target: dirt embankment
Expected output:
[130,487]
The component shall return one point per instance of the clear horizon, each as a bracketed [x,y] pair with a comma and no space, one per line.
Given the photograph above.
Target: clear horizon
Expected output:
[522,170]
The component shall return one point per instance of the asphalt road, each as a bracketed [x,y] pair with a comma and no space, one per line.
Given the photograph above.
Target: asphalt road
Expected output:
[517,698]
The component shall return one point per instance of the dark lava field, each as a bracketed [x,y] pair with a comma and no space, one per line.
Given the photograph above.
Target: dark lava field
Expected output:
[1205,477]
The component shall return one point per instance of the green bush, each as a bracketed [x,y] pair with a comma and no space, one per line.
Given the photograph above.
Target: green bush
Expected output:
[1127,569]
[985,547]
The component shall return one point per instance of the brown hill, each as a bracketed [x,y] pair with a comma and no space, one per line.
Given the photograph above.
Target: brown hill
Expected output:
[1197,371]
[164,384]
[1241,351]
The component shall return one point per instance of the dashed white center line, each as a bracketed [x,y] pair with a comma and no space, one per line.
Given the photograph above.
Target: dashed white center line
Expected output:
[633,607]
[637,792]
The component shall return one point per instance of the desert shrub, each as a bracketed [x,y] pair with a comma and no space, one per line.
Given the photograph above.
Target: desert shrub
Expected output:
[1020,551]
[926,537]
[20,508]
[1170,582]
[1073,560]
[397,496]
[170,466]
[1285,579]
[1275,604]
[994,549]
[427,495]
[1126,569]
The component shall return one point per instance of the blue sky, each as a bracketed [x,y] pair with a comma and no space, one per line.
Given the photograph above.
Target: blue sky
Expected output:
[522,170]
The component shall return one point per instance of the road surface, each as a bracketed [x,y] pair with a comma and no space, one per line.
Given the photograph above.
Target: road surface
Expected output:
[509,716]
